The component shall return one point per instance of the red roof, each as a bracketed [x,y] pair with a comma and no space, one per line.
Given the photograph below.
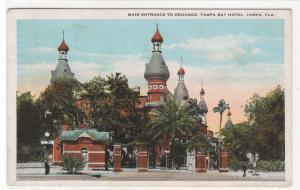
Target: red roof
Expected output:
[63,46]
[202,91]
[229,113]
[157,37]
[181,71]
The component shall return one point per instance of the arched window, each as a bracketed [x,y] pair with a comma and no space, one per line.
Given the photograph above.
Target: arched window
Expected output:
[85,154]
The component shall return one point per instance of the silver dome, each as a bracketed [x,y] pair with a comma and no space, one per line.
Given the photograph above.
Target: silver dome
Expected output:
[157,68]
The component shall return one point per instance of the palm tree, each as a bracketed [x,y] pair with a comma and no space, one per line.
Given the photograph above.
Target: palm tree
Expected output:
[222,106]
[170,122]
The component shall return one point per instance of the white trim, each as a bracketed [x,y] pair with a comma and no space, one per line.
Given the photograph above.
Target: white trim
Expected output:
[71,151]
[96,162]
[96,152]
[84,134]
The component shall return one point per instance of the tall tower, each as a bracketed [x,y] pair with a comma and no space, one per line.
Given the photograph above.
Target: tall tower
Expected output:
[62,69]
[202,107]
[229,123]
[156,73]
[181,92]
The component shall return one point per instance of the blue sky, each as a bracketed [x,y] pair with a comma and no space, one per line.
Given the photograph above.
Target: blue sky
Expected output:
[123,37]
[231,57]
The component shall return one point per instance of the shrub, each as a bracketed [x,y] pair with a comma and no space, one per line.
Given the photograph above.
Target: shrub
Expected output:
[234,164]
[274,165]
[72,164]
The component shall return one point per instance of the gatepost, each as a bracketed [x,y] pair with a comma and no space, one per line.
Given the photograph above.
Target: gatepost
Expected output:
[142,158]
[200,162]
[117,158]
[223,160]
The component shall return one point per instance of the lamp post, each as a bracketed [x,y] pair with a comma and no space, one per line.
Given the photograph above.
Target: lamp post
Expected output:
[46,141]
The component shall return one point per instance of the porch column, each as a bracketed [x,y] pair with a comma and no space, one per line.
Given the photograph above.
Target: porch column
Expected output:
[142,158]
[223,160]
[117,158]
[200,162]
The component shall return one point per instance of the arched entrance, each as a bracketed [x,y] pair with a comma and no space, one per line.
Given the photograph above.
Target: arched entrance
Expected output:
[85,157]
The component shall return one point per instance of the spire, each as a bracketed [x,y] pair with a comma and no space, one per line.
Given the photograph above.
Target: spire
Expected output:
[181,92]
[156,68]
[229,123]
[202,104]
[181,71]
[202,92]
[157,36]
[63,47]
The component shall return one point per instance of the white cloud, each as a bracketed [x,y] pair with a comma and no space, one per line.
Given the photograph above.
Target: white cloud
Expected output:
[44,49]
[222,47]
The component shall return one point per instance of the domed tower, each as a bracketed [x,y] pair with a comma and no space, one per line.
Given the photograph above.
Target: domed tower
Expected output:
[202,107]
[62,69]
[156,73]
[181,92]
[228,123]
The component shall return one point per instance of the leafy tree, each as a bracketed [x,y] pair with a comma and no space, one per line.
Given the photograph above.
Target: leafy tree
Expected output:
[171,121]
[29,128]
[264,131]
[200,142]
[112,105]
[267,116]
[239,139]
[60,105]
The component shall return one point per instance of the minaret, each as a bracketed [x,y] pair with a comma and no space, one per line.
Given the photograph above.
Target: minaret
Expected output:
[229,123]
[62,69]
[156,73]
[202,106]
[181,92]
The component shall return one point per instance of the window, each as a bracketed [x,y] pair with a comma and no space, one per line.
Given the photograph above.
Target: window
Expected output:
[150,87]
[155,87]
[161,87]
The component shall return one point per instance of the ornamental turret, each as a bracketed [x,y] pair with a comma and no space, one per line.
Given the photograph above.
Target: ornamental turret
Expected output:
[202,107]
[181,92]
[228,123]
[156,73]
[62,69]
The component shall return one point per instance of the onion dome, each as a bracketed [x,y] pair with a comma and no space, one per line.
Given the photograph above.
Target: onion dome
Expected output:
[229,113]
[181,71]
[63,46]
[202,106]
[202,92]
[181,92]
[157,36]
[156,68]
[229,123]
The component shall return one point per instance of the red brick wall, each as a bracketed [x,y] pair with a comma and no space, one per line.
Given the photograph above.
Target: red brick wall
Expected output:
[96,151]
[155,94]
[142,158]
[117,158]
[56,151]
[224,161]
[200,162]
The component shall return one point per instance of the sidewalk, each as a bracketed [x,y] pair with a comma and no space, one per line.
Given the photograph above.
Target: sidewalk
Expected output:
[152,175]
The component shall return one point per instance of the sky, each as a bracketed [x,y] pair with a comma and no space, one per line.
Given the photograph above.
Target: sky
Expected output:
[233,58]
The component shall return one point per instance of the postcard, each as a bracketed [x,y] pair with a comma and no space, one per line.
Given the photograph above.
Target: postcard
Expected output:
[149,97]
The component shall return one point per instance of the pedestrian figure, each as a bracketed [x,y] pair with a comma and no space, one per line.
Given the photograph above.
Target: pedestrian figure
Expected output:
[47,168]
[244,168]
